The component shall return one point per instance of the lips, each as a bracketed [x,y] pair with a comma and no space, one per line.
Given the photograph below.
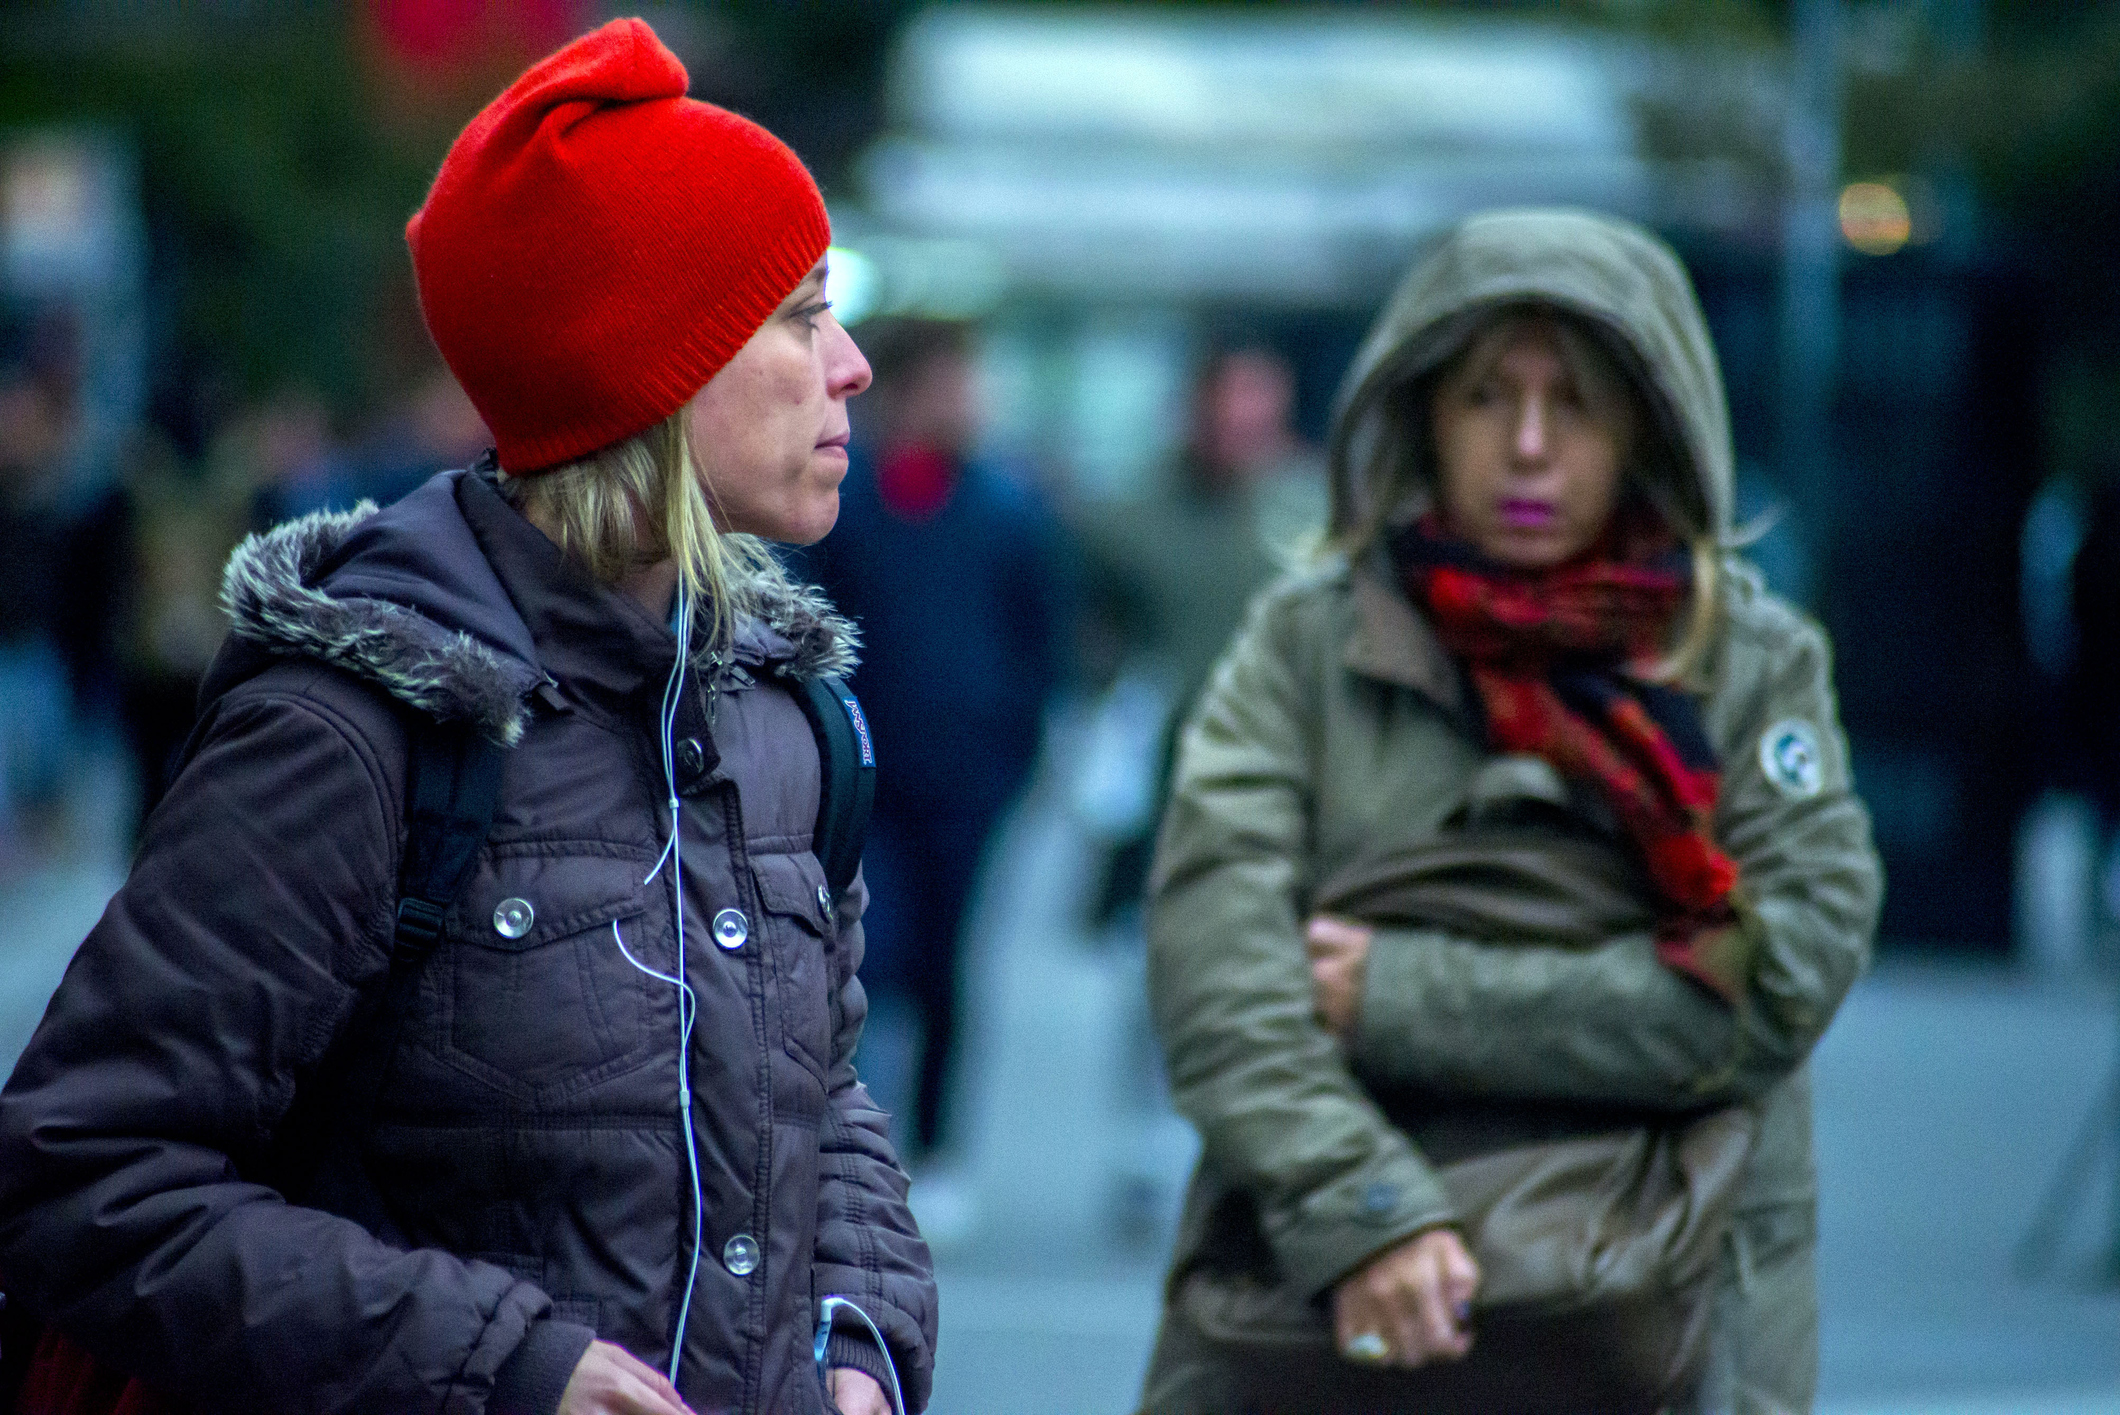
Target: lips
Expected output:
[1527,514]
[835,443]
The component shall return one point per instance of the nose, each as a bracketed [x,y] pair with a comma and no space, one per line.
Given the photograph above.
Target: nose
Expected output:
[1528,439]
[846,367]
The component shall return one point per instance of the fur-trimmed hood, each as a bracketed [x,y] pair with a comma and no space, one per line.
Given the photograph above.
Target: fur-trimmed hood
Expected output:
[407,599]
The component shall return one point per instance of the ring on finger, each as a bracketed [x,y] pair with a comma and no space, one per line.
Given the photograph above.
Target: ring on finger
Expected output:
[1368,1346]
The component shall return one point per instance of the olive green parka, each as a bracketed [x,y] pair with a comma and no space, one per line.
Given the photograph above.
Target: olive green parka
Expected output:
[1336,725]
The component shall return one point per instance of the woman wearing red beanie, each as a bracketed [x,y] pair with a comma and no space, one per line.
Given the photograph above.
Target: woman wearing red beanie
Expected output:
[304,1131]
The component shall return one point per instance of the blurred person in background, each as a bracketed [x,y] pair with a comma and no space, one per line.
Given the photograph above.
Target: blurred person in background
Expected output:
[63,527]
[186,520]
[1180,564]
[1519,830]
[36,418]
[271,460]
[949,567]
[1168,575]
[2092,668]
[1232,510]
[284,448]
[590,1140]
[433,428]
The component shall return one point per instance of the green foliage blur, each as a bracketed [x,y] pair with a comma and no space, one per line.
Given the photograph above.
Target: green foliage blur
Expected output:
[273,198]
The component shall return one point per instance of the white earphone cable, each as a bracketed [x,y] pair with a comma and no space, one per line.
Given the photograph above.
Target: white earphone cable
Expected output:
[687,1000]
[830,1307]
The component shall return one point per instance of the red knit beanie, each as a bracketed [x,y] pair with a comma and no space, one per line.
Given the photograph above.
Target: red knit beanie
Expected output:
[597,246]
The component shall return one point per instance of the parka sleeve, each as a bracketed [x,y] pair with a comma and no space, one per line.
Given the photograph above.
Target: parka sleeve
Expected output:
[254,917]
[1278,1112]
[1611,1023]
[868,1248]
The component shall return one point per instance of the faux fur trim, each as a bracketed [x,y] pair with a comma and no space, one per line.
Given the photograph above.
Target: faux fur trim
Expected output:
[823,640]
[445,672]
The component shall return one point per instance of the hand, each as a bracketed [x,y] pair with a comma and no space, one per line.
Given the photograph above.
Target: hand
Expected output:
[1415,1296]
[609,1380]
[1339,955]
[856,1393]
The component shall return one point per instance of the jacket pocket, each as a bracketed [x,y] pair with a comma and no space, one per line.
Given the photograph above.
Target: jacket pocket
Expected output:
[792,889]
[537,1001]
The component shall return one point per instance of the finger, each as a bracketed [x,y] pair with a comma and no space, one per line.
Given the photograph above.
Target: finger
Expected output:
[1393,1312]
[1437,1323]
[857,1393]
[1409,1344]
[650,1401]
[1328,931]
[1348,1318]
[646,1391]
[1356,1318]
[1461,1275]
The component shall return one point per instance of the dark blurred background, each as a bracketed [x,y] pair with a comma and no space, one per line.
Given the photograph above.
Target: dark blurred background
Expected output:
[1118,256]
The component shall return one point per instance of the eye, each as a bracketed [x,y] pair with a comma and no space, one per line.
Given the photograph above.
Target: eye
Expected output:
[811,313]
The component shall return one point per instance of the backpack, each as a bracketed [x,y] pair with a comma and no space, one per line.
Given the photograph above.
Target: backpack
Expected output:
[452,788]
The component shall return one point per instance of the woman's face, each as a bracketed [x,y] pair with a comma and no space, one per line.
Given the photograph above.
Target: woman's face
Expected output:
[1528,457]
[770,430]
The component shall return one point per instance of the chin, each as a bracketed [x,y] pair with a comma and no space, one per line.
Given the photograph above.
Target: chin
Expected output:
[812,526]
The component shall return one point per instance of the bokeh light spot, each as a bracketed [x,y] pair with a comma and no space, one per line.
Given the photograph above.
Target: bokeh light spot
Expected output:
[1874,218]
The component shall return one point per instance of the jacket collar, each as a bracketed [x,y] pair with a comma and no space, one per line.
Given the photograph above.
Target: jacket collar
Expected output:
[598,643]
[1392,642]
[453,604]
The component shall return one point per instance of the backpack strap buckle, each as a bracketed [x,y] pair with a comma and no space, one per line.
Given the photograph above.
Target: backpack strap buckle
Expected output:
[419,929]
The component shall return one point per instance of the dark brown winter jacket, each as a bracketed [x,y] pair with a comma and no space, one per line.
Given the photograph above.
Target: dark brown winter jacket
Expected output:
[240,1162]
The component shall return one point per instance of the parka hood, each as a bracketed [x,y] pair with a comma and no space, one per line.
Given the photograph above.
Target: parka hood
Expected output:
[406,598]
[1624,283]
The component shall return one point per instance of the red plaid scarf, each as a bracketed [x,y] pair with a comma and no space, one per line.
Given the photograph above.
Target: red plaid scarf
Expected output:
[1556,657]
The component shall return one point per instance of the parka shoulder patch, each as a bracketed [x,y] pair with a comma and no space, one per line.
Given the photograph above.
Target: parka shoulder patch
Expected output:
[1791,757]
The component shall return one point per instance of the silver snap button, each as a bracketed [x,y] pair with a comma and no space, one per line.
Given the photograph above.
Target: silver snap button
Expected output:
[513,918]
[740,1255]
[731,929]
[824,899]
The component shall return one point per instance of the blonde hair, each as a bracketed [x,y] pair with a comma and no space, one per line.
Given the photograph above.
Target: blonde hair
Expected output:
[639,502]
[1655,467]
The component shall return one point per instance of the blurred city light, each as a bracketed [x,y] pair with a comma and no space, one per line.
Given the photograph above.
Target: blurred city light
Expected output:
[1874,218]
[902,275]
[852,284]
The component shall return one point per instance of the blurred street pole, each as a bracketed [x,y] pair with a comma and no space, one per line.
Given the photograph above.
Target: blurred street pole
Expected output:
[1810,274]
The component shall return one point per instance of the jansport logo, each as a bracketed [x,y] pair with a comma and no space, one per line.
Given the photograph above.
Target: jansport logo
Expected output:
[861,729]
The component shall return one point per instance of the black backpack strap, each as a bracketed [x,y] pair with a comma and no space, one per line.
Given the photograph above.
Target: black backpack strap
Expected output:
[452,787]
[846,757]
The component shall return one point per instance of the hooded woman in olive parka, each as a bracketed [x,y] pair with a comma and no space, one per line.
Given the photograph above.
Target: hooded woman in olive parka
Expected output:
[1360,707]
